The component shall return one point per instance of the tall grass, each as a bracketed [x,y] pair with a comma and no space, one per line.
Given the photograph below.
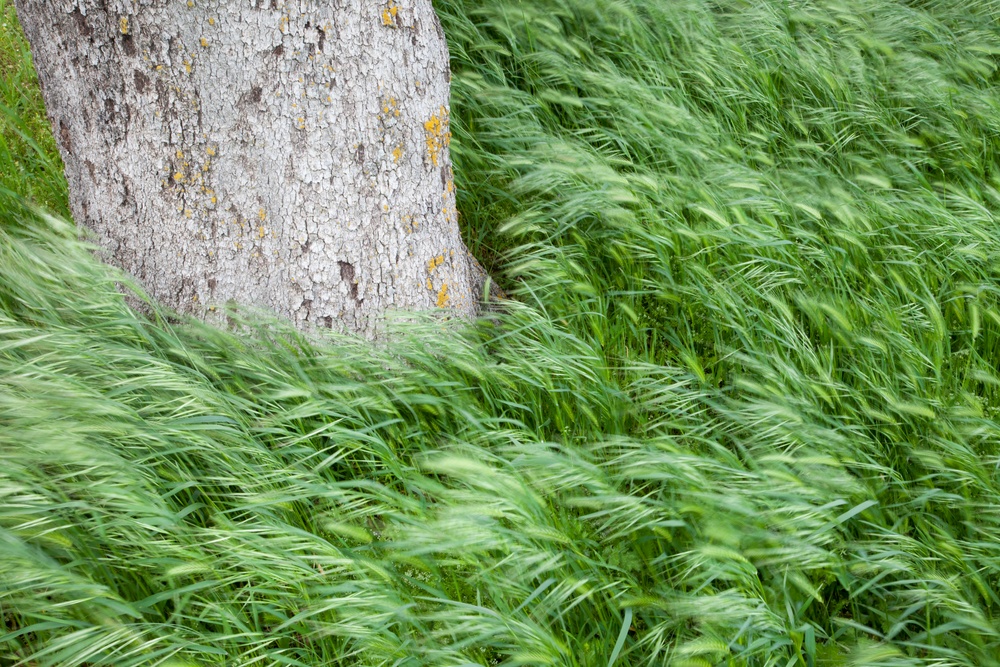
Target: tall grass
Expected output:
[743,410]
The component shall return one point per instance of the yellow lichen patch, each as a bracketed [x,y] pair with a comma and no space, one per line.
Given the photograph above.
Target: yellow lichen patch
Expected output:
[429,285]
[389,14]
[211,151]
[443,296]
[390,107]
[123,25]
[438,136]
[260,232]
[204,42]
[178,177]
[262,215]
[434,262]
[211,21]
[396,154]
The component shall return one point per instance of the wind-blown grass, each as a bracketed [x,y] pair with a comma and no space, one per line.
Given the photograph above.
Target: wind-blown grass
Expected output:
[742,412]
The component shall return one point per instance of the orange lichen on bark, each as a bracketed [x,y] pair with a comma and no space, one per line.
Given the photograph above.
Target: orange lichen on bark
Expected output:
[438,135]
[443,297]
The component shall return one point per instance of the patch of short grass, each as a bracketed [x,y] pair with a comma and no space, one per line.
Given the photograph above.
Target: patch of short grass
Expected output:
[30,165]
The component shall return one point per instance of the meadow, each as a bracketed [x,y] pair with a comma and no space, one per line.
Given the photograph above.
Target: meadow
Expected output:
[741,409]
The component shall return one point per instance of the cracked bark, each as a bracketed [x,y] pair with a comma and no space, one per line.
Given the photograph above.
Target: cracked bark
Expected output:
[284,154]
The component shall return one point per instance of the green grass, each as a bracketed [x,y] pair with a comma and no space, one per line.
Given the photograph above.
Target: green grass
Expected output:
[742,413]
[30,166]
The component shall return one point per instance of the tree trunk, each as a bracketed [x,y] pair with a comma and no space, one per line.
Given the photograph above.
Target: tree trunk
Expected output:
[285,154]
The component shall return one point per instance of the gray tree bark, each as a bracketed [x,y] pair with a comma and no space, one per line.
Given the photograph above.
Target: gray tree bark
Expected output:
[285,154]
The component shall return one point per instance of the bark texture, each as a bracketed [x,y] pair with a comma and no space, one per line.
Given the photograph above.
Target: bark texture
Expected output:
[286,154]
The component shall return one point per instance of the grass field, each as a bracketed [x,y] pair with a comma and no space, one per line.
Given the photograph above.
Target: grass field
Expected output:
[742,413]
